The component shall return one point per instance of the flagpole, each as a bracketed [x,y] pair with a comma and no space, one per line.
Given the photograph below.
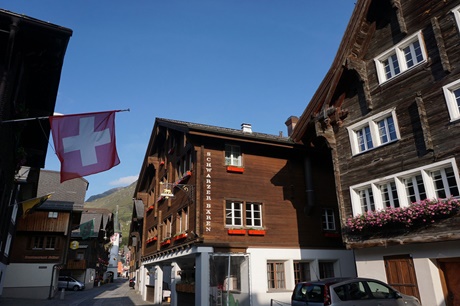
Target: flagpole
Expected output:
[47,117]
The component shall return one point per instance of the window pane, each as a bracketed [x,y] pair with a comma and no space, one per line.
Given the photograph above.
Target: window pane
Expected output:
[445,183]
[367,200]
[456,94]
[254,214]
[391,66]
[413,54]
[233,213]
[232,155]
[415,189]
[326,269]
[389,195]
[387,130]
[364,139]
[328,219]
[301,272]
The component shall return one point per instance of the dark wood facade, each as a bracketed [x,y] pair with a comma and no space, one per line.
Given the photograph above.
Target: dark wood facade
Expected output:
[272,173]
[31,58]
[396,66]
[212,192]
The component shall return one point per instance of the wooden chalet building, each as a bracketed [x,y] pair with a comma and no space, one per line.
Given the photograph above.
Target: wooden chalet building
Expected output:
[234,216]
[389,110]
[87,259]
[31,58]
[42,242]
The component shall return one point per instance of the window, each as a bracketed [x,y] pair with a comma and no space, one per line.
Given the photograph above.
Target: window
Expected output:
[253,214]
[328,219]
[438,180]
[301,272]
[182,221]
[232,156]
[167,228]
[406,55]
[44,243]
[275,275]
[367,199]
[326,269]
[53,215]
[389,195]
[373,132]
[233,213]
[452,96]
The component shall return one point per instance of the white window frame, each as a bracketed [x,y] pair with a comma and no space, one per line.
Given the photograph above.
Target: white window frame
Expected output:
[456,12]
[230,213]
[328,219]
[399,179]
[250,214]
[233,155]
[372,122]
[452,105]
[398,50]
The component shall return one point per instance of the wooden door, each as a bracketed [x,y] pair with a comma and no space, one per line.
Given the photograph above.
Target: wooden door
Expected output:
[450,276]
[401,275]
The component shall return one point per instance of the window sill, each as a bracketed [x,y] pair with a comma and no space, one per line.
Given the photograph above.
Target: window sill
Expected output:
[235,169]
[236,232]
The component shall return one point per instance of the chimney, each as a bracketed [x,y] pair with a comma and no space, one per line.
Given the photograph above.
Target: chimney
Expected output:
[290,123]
[246,128]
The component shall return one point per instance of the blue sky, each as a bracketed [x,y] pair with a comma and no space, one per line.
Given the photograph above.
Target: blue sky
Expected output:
[216,62]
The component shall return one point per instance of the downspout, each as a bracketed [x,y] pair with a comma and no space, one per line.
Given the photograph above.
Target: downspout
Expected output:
[309,186]
[64,258]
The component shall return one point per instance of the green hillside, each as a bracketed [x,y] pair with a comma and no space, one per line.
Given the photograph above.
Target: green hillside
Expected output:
[123,197]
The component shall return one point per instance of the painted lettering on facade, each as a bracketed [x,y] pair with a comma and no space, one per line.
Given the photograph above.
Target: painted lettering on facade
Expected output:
[208,193]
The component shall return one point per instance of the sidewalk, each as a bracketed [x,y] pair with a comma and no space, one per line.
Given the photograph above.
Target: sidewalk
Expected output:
[116,293]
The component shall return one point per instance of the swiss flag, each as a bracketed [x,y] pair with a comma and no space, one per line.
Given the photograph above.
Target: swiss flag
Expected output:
[84,143]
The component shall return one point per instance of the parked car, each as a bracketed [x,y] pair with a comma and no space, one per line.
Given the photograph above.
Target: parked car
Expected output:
[349,291]
[68,282]
[132,282]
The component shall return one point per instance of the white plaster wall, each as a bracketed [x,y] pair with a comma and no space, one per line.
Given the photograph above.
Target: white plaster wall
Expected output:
[345,266]
[28,275]
[370,263]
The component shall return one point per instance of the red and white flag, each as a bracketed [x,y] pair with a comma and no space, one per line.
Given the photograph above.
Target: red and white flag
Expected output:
[84,143]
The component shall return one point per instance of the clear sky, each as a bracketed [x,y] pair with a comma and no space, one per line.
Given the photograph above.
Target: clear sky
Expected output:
[216,62]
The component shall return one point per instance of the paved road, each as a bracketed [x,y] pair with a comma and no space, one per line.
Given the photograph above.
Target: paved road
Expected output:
[117,293]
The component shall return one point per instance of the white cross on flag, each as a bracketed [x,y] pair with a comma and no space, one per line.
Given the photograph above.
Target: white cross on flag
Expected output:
[84,143]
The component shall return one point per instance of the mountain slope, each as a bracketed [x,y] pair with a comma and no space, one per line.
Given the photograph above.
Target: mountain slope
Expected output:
[121,197]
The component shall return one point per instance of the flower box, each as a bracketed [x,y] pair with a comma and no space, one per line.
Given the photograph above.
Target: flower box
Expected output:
[256,232]
[152,239]
[150,208]
[235,169]
[165,242]
[180,236]
[237,232]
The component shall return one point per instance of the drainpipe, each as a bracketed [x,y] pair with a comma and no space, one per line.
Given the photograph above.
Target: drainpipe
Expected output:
[309,186]
[52,281]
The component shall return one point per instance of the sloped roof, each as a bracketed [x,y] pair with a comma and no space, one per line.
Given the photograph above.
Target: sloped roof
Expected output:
[69,195]
[190,127]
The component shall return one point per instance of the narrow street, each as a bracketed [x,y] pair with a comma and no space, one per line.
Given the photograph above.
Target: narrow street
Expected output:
[117,293]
